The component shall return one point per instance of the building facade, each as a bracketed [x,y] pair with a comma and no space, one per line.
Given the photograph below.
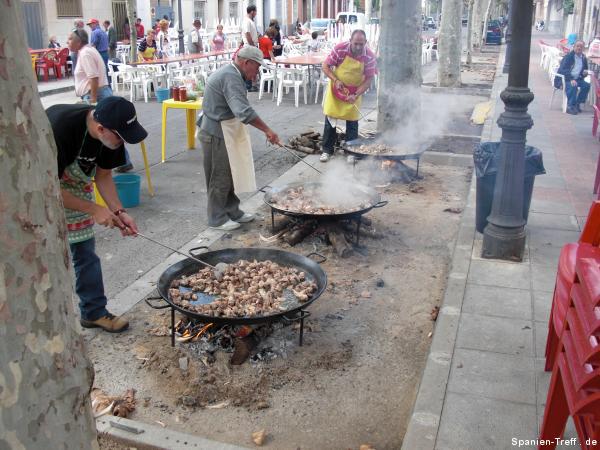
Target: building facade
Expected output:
[45,18]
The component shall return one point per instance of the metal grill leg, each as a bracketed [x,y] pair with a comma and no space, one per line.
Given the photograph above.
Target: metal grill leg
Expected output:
[172,327]
[358,222]
[301,327]
[272,220]
[418,161]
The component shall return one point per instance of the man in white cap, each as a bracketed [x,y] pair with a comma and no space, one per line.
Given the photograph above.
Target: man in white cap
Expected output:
[225,141]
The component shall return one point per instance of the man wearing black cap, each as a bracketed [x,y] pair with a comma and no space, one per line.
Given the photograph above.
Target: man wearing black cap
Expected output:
[90,141]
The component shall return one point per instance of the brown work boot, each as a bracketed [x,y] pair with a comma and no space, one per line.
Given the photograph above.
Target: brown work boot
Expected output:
[109,323]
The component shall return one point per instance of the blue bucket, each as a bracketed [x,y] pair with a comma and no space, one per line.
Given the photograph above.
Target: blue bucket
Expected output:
[128,188]
[162,94]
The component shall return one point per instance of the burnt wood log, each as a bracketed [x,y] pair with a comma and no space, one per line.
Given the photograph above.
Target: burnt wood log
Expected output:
[339,242]
[364,230]
[298,233]
[282,224]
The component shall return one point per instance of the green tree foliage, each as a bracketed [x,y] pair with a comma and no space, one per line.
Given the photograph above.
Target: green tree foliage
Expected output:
[568,6]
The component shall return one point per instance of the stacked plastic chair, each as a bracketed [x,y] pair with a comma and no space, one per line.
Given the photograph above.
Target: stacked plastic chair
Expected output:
[586,247]
[575,384]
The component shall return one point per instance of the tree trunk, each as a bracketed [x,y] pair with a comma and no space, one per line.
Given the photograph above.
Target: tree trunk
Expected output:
[485,22]
[470,32]
[45,376]
[130,5]
[449,44]
[582,15]
[400,43]
[476,27]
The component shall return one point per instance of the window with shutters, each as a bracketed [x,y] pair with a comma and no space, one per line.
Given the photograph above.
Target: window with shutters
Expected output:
[233,9]
[68,8]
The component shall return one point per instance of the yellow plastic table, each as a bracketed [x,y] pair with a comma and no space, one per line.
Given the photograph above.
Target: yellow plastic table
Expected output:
[190,118]
[99,198]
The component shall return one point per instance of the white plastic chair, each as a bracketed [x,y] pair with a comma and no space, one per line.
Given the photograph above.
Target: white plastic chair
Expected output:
[322,80]
[137,79]
[562,88]
[268,76]
[291,78]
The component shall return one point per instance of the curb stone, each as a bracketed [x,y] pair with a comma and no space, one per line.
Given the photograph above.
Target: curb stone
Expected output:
[422,429]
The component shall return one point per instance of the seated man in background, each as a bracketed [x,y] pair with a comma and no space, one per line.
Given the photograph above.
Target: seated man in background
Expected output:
[574,67]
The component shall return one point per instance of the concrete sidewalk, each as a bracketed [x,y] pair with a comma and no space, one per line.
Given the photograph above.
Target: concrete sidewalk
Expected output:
[484,384]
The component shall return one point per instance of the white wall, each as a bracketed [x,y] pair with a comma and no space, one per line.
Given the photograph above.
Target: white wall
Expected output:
[143,12]
[61,27]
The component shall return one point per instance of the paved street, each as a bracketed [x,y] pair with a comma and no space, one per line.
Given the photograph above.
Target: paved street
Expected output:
[484,383]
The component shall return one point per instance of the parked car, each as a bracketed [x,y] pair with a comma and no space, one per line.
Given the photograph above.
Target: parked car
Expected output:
[465,21]
[353,18]
[319,25]
[430,23]
[494,33]
[374,21]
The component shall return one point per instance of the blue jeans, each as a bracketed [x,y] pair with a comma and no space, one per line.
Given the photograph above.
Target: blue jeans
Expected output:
[101,94]
[329,134]
[88,280]
[573,99]
[104,55]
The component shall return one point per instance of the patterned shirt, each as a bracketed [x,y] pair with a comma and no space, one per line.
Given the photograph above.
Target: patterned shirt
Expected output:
[340,51]
[147,50]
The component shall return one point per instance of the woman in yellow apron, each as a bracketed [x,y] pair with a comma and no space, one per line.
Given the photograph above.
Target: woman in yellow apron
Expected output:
[350,66]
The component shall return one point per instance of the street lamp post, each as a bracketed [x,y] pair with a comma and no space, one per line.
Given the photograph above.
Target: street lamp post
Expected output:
[508,39]
[180,30]
[504,236]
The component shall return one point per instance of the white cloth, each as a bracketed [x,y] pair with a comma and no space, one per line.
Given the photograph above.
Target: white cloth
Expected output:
[248,26]
[239,151]
[195,35]
[162,44]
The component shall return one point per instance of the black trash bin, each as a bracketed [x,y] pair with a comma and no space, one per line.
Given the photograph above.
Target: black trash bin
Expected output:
[486,157]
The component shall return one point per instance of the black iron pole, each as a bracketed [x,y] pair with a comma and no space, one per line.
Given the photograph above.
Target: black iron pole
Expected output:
[508,39]
[504,236]
[180,30]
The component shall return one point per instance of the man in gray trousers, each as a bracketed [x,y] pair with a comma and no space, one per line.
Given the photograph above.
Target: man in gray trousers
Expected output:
[225,98]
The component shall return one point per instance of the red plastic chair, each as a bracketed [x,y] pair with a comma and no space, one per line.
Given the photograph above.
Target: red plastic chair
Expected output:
[587,247]
[48,61]
[62,56]
[575,378]
[565,400]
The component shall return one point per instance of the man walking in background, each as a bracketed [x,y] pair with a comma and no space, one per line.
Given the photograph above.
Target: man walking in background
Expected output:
[99,40]
[112,39]
[250,36]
